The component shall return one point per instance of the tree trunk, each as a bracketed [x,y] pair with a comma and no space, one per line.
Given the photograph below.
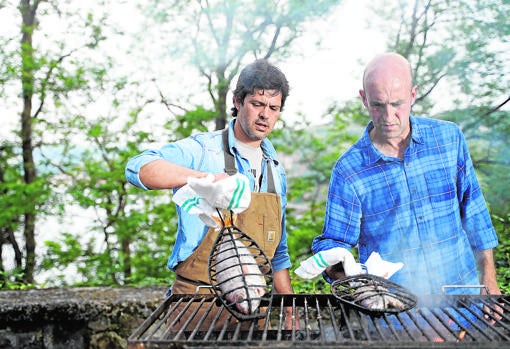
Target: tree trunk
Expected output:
[28,12]
[221,102]
[126,242]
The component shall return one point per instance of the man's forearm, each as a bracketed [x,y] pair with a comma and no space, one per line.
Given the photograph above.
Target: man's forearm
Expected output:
[281,282]
[161,174]
[487,270]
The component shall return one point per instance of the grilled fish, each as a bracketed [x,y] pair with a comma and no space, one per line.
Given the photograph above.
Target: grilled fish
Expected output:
[239,277]
[377,298]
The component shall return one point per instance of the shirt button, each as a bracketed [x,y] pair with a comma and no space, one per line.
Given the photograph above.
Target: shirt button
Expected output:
[420,217]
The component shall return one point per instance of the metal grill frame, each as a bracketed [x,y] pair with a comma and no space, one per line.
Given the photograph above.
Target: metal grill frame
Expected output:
[325,322]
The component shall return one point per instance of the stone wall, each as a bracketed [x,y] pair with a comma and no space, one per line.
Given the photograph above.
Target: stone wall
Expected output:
[67,318]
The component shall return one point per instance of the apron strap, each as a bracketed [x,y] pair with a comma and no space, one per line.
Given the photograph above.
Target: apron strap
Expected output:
[230,166]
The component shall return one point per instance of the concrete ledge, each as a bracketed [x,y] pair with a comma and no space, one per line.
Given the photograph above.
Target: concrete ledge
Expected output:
[82,317]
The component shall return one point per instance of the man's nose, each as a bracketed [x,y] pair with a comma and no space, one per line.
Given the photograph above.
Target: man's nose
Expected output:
[264,112]
[388,111]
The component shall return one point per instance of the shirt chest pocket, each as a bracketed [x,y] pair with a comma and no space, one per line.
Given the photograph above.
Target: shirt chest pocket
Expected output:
[440,190]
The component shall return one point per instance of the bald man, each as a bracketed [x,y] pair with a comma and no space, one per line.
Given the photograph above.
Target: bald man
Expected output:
[407,189]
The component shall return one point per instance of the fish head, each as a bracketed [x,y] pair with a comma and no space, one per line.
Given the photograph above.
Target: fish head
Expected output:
[246,299]
[250,304]
[239,298]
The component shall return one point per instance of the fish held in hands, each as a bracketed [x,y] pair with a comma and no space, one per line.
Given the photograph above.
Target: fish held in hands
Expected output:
[239,277]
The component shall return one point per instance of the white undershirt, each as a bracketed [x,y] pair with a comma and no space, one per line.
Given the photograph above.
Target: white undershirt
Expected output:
[254,156]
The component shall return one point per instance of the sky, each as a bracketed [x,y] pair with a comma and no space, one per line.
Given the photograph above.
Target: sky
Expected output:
[333,73]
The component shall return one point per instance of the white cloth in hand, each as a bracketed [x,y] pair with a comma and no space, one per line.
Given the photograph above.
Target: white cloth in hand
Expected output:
[201,196]
[192,203]
[231,193]
[317,263]
[377,266]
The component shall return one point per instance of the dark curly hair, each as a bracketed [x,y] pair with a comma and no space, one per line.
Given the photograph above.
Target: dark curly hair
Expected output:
[260,75]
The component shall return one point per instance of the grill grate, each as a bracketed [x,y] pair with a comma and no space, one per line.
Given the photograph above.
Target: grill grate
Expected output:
[438,322]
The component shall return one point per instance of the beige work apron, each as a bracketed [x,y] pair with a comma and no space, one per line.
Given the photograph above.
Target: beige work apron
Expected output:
[261,222]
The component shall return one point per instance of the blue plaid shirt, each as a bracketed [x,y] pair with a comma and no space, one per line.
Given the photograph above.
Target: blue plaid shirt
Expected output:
[426,210]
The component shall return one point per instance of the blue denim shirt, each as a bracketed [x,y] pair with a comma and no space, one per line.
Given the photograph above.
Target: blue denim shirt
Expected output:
[204,152]
[426,210]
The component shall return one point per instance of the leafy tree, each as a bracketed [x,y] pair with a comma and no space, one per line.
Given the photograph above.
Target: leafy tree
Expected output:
[24,181]
[54,76]
[128,242]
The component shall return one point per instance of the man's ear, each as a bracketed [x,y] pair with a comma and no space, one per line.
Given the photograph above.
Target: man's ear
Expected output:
[237,104]
[414,91]
[363,97]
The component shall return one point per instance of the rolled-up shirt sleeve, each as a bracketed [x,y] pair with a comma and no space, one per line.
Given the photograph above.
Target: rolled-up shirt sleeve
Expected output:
[476,220]
[134,165]
[182,152]
[342,218]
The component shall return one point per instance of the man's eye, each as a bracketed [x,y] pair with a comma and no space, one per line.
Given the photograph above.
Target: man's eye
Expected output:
[275,108]
[396,104]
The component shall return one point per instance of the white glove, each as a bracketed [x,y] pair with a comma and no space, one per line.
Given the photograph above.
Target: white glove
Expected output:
[317,263]
[231,193]
[201,196]
[377,266]
[192,203]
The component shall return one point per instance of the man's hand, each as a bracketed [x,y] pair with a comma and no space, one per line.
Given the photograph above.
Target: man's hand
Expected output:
[282,285]
[487,268]
[317,263]
[231,193]
[291,320]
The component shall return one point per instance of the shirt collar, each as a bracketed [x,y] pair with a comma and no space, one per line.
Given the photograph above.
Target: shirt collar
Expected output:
[373,155]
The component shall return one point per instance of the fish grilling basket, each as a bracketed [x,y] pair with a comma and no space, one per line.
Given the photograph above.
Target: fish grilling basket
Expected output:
[240,273]
[373,294]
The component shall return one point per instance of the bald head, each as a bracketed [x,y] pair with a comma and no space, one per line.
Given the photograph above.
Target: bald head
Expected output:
[388,94]
[388,66]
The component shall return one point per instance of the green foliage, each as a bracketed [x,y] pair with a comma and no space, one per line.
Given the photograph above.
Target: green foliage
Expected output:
[129,241]
[193,120]
[316,285]
[502,252]
[14,281]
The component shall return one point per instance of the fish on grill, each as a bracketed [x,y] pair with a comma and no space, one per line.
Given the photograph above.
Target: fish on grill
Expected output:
[373,294]
[238,276]
[377,298]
